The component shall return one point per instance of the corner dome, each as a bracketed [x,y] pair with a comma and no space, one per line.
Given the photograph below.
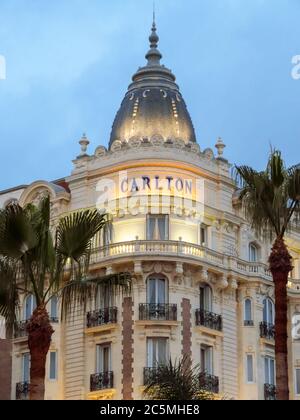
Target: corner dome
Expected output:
[153,105]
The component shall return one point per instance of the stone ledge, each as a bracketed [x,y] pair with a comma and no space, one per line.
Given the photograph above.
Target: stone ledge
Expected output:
[101,329]
[105,394]
[208,331]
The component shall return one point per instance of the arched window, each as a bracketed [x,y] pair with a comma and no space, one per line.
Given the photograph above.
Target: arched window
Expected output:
[268,312]
[29,306]
[205,298]
[157,290]
[253,252]
[248,316]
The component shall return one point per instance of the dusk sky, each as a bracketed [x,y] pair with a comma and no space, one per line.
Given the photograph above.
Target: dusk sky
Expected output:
[69,63]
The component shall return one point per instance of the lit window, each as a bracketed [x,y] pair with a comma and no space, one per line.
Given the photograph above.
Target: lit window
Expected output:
[268,311]
[157,291]
[250,373]
[53,365]
[248,313]
[103,358]
[206,359]
[205,298]
[29,306]
[269,371]
[157,227]
[157,352]
[253,253]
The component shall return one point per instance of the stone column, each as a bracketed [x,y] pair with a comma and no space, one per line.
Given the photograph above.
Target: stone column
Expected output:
[127,349]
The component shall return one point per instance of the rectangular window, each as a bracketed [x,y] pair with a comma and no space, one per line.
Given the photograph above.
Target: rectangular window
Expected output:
[205,298]
[157,352]
[53,308]
[250,373]
[269,371]
[206,359]
[26,367]
[157,227]
[53,365]
[297,381]
[203,235]
[103,358]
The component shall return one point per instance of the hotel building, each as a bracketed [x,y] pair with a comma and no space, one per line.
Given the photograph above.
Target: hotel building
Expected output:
[201,284]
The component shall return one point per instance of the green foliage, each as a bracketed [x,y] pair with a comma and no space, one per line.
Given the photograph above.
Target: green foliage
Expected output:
[175,382]
[271,198]
[45,261]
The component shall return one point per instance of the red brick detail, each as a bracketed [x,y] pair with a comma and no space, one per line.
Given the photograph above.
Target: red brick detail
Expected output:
[186,331]
[5,369]
[127,349]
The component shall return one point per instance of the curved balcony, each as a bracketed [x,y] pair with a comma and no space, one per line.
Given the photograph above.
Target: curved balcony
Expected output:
[101,317]
[100,381]
[267,331]
[22,391]
[209,383]
[180,251]
[269,392]
[209,320]
[157,312]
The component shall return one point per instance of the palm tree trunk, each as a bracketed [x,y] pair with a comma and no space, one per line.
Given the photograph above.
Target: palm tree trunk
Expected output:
[39,338]
[280,266]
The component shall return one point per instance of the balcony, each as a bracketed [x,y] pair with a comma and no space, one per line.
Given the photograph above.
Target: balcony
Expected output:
[101,317]
[157,312]
[267,331]
[179,250]
[209,320]
[100,381]
[270,392]
[248,323]
[209,383]
[149,375]
[22,391]
[21,329]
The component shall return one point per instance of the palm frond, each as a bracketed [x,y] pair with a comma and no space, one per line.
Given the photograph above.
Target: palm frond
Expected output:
[9,295]
[77,294]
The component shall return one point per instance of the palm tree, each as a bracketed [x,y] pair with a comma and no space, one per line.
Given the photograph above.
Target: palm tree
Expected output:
[271,200]
[176,382]
[45,262]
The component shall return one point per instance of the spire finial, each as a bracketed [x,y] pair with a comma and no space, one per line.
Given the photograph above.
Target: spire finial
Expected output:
[154,55]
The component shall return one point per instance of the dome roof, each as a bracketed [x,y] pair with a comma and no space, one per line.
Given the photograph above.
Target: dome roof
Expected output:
[153,105]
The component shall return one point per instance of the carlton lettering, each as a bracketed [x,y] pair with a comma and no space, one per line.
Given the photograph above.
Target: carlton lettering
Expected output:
[146,183]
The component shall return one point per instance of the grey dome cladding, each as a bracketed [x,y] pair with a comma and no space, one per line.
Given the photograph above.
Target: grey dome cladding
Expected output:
[153,105]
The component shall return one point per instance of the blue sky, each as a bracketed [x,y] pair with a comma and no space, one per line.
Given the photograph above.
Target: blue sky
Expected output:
[69,63]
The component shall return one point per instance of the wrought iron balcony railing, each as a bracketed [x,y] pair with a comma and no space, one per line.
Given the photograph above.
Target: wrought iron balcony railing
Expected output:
[22,391]
[270,392]
[21,329]
[209,320]
[267,330]
[209,383]
[149,374]
[248,323]
[99,381]
[157,312]
[101,317]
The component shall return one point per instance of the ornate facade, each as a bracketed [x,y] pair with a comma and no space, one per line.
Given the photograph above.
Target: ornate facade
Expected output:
[201,281]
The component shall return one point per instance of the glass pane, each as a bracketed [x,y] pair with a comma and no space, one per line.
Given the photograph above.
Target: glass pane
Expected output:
[248,310]
[208,362]
[162,227]
[106,367]
[272,372]
[202,359]
[202,306]
[267,373]
[249,368]
[52,365]
[270,312]
[151,295]
[53,310]
[28,307]
[150,227]
[150,356]
[162,351]
[26,367]
[161,291]
[207,299]
[265,312]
